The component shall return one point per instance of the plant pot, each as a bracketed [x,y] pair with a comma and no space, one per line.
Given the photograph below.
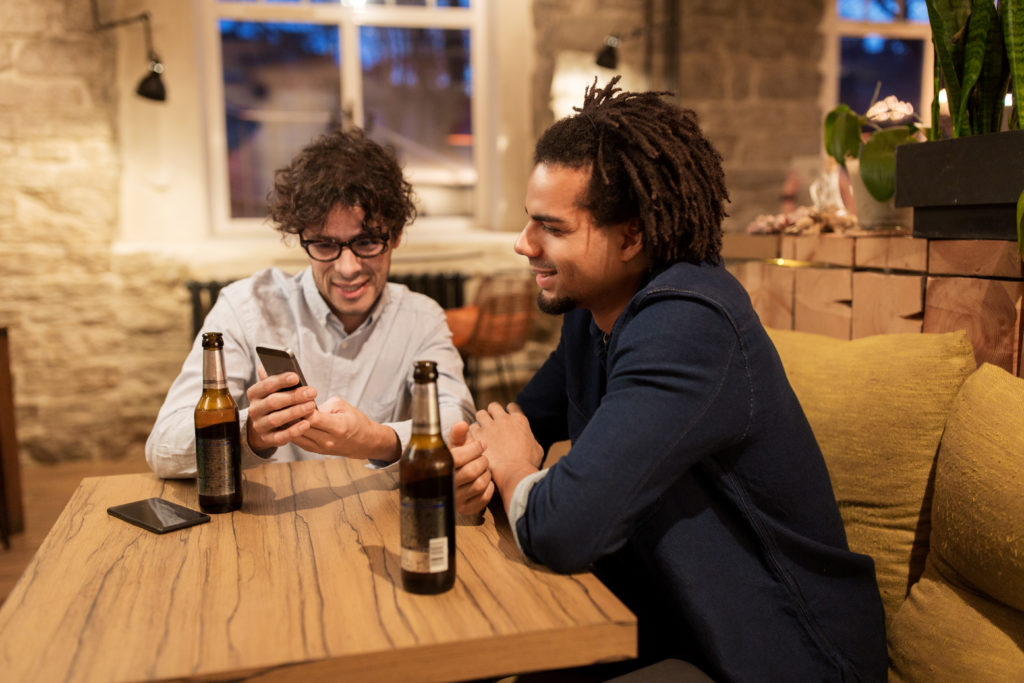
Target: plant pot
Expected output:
[963,188]
[871,213]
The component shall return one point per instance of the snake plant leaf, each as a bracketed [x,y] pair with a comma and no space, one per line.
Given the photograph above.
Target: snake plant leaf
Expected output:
[1012,12]
[987,97]
[1020,225]
[977,44]
[842,134]
[878,161]
[947,19]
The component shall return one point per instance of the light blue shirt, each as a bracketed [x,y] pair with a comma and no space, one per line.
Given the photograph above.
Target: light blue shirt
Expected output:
[371,368]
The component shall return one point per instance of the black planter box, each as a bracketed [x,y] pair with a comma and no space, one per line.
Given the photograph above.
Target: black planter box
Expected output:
[964,188]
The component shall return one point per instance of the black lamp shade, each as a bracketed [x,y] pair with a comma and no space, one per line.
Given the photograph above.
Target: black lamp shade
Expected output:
[608,57]
[152,85]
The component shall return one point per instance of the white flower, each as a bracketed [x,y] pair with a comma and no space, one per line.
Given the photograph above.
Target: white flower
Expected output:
[890,109]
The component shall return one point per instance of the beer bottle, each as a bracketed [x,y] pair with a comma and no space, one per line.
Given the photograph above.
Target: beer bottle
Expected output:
[218,449]
[427,491]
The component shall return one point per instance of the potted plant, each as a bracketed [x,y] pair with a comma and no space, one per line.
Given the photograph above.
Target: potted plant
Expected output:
[968,185]
[871,139]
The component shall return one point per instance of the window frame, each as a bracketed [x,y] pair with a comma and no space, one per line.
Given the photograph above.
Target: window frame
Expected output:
[837,28]
[348,20]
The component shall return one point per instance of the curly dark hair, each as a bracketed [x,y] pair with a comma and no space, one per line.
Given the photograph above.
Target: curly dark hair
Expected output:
[649,161]
[346,168]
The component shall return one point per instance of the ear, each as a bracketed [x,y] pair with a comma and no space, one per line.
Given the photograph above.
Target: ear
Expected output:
[632,240]
[395,242]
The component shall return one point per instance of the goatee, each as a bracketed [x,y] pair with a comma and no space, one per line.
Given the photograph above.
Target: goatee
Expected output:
[556,306]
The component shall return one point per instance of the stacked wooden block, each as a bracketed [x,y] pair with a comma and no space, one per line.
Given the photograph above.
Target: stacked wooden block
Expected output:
[859,284]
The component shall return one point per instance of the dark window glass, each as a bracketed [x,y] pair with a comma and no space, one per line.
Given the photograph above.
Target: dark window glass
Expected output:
[417,98]
[281,89]
[897,63]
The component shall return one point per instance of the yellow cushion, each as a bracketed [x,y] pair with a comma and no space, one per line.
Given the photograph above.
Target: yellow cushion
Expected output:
[964,620]
[947,634]
[877,406]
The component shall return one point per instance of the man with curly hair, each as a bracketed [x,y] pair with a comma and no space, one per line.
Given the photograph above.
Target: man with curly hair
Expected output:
[694,487]
[355,335]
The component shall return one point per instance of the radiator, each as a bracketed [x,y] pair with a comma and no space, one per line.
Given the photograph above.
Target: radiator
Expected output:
[446,289]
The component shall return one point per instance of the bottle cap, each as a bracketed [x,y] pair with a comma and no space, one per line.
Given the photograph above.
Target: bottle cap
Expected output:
[213,340]
[425,371]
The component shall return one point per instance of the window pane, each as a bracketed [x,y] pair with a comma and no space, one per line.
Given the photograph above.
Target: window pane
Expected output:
[282,87]
[885,11]
[868,60]
[416,98]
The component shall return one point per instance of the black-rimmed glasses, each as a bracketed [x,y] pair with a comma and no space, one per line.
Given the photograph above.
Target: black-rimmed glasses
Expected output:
[327,249]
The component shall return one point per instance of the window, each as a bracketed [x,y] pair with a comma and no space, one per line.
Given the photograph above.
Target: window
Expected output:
[407,71]
[881,45]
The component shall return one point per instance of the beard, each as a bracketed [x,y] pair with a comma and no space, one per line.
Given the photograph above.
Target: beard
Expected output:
[556,306]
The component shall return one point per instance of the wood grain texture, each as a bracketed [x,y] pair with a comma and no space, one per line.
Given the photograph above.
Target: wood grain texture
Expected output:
[829,248]
[886,304]
[987,258]
[989,310]
[822,301]
[891,253]
[302,582]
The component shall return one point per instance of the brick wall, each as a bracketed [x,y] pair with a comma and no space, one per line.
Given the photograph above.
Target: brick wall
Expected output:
[93,336]
[749,69]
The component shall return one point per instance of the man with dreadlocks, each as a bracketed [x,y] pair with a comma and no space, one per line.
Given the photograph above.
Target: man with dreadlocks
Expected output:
[694,488]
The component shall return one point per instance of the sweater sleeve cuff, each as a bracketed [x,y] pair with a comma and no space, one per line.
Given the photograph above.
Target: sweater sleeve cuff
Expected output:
[520,498]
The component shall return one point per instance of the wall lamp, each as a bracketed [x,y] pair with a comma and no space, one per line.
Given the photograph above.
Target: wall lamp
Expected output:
[608,55]
[151,86]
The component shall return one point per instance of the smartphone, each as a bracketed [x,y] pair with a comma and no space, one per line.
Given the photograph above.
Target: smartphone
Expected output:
[158,515]
[278,361]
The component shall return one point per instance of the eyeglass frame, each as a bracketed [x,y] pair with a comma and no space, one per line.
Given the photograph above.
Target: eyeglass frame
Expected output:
[347,243]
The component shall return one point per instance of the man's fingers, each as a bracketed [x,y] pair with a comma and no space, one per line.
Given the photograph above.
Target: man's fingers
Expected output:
[471,469]
[458,434]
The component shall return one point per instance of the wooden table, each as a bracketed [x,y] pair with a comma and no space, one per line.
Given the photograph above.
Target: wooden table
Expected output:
[301,584]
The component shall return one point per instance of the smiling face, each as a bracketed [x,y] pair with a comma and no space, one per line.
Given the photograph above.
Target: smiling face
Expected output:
[577,263]
[350,285]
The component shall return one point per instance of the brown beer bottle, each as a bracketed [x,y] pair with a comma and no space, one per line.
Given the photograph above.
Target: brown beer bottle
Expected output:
[427,493]
[218,449]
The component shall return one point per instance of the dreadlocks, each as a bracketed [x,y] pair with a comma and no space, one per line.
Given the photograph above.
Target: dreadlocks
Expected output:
[648,161]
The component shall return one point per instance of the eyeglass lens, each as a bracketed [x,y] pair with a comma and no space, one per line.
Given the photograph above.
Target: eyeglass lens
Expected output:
[328,249]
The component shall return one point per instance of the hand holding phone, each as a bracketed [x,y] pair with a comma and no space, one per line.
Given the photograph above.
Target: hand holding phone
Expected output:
[278,361]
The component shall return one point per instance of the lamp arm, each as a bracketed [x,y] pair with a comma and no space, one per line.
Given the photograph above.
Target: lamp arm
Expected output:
[143,17]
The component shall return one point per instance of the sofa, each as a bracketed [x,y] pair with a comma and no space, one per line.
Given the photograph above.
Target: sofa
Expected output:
[926,454]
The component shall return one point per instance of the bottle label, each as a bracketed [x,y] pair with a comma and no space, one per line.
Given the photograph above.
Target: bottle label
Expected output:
[213,462]
[424,542]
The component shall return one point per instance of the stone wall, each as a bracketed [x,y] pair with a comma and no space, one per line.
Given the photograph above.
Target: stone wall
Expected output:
[93,336]
[749,68]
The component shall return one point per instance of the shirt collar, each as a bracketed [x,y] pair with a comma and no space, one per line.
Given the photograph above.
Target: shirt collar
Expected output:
[323,312]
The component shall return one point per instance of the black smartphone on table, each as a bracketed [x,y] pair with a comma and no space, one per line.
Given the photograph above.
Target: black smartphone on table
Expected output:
[158,515]
[278,361]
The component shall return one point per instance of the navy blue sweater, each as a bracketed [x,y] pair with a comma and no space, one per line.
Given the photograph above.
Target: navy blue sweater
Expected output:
[696,491]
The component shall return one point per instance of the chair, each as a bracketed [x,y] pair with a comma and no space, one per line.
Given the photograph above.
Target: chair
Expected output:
[498,323]
[12,519]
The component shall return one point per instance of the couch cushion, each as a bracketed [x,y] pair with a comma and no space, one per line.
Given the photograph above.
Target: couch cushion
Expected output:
[877,406]
[964,620]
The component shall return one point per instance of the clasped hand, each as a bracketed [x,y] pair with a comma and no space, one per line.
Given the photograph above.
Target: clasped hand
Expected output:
[495,453]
